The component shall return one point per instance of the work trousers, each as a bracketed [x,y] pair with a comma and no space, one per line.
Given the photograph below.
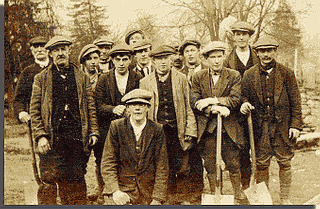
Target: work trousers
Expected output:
[64,165]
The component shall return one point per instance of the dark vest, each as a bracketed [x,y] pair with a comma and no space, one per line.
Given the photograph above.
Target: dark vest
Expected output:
[267,84]
[166,114]
[66,120]
[240,67]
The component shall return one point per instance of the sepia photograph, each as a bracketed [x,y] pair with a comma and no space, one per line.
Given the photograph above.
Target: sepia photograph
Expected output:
[162,102]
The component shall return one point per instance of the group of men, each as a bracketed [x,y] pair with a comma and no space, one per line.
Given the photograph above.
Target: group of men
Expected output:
[152,122]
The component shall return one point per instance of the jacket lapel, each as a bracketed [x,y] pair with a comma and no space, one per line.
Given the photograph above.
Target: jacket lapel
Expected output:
[153,84]
[206,86]
[222,82]
[130,139]
[278,84]
[48,91]
[175,88]
[146,137]
[257,84]
[112,85]
[131,81]
[79,81]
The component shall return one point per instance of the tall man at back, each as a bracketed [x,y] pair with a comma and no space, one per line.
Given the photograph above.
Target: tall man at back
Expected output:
[270,92]
[105,45]
[242,58]
[64,125]
[24,85]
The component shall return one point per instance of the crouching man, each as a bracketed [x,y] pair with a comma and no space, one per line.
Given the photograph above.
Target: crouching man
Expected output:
[134,163]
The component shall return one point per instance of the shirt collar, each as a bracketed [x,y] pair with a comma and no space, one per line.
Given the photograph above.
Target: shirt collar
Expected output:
[42,64]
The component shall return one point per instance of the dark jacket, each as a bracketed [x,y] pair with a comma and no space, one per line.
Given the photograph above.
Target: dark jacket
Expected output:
[123,169]
[228,91]
[24,88]
[41,106]
[287,100]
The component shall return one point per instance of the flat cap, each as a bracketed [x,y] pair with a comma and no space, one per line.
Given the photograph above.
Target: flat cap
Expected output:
[243,26]
[103,41]
[58,40]
[88,49]
[162,50]
[266,42]
[142,45]
[130,33]
[189,42]
[120,48]
[137,96]
[214,46]
[38,40]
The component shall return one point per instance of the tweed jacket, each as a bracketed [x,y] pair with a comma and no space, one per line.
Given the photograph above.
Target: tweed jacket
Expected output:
[41,106]
[186,120]
[24,88]
[123,169]
[287,99]
[228,91]
[230,61]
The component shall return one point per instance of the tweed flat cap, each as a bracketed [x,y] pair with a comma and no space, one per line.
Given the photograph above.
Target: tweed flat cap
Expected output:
[130,33]
[214,46]
[88,49]
[162,50]
[266,42]
[137,96]
[103,41]
[120,48]
[189,42]
[38,40]
[142,45]
[243,26]
[58,40]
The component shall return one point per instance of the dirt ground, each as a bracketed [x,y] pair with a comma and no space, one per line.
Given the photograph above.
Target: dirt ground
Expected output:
[19,183]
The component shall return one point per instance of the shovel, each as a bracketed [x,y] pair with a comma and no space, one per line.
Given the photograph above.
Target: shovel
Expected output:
[218,198]
[257,194]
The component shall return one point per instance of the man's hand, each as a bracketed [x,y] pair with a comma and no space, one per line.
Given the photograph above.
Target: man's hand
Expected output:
[120,198]
[155,202]
[24,117]
[93,140]
[43,145]
[224,111]
[246,108]
[188,143]
[203,103]
[293,133]
[119,110]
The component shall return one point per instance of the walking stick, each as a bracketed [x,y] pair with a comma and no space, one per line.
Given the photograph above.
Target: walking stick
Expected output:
[34,160]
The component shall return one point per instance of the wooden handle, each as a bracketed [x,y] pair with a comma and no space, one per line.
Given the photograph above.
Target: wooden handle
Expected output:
[253,151]
[218,154]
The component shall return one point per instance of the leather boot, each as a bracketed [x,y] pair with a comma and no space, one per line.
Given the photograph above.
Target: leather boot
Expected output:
[212,177]
[239,196]
[285,176]
[100,199]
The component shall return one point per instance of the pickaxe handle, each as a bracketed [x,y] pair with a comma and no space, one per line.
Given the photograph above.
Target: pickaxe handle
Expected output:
[253,152]
[218,154]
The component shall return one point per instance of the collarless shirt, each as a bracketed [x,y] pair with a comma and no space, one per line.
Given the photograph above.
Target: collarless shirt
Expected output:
[138,129]
[243,56]
[122,81]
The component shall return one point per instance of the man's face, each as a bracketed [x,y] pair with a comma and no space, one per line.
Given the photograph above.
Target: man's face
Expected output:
[121,63]
[215,60]
[266,55]
[60,55]
[163,64]
[92,62]
[39,52]
[241,38]
[104,50]
[138,111]
[134,38]
[191,54]
[142,56]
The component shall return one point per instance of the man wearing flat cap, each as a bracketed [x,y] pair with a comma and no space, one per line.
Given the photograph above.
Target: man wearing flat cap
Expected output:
[170,106]
[64,125]
[270,92]
[141,52]
[190,49]
[134,36]
[113,86]
[105,45]
[135,162]
[216,89]
[242,58]
[24,86]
